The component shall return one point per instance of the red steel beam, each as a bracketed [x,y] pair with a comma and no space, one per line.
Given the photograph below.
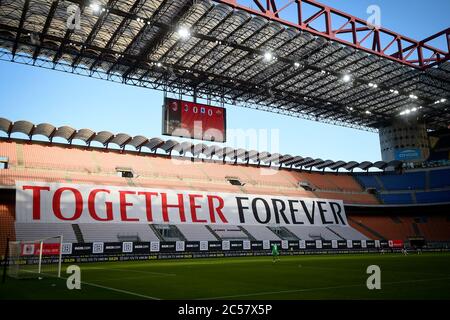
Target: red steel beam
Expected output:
[417,54]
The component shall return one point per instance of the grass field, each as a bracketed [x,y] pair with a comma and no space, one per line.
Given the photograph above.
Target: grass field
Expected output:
[425,276]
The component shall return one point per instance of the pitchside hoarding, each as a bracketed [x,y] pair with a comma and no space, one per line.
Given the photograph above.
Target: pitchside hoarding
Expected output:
[193,120]
[38,202]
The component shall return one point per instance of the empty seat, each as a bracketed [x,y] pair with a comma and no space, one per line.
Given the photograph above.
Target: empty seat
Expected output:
[196,232]
[348,233]
[111,232]
[406,181]
[396,198]
[261,233]
[439,178]
[229,232]
[37,231]
[313,233]
[433,197]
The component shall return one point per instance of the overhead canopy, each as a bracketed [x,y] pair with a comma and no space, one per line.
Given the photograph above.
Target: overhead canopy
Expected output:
[237,55]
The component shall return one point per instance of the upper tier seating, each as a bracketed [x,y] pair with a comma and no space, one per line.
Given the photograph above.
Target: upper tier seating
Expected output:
[440,178]
[421,186]
[431,227]
[8,150]
[435,228]
[405,181]
[74,164]
[396,198]
[348,233]
[368,181]
[433,197]
[388,227]
[390,181]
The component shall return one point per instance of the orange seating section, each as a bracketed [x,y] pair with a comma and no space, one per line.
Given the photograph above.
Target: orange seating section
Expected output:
[57,163]
[6,226]
[8,149]
[75,164]
[356,198]
[436,227]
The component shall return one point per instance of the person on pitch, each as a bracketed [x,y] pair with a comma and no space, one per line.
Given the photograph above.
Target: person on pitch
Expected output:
[275,253]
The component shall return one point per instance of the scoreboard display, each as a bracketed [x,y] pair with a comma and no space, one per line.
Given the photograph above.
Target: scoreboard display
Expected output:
[189,119]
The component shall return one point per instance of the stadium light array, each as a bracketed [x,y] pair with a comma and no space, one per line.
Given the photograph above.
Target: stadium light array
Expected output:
[440,101]
[409,111]
[393,91]
[184,33]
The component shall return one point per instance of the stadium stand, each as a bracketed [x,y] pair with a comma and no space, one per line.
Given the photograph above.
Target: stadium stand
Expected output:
[439,178]
[99,166]
[368,181]
[433,196]
[423,186]
[396,198]
[55,162]
[406,181]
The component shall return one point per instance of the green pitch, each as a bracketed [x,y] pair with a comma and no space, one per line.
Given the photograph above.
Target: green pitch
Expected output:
[425,276]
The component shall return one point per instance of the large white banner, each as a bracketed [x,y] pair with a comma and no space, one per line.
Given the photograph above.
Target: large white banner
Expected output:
[79,203]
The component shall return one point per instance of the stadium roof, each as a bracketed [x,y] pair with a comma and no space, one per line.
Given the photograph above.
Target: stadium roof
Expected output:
[140,143]
[328,66]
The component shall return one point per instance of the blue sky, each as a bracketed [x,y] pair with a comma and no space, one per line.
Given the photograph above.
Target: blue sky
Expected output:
[40,95]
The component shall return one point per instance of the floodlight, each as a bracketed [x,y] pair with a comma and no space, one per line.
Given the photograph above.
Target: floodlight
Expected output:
[268,56]
[184,32]
[346,78]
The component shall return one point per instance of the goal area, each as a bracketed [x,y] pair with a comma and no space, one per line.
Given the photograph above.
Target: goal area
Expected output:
[35,258]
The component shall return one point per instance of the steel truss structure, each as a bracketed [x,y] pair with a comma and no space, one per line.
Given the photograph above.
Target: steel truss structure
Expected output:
[197,152]
[238,55]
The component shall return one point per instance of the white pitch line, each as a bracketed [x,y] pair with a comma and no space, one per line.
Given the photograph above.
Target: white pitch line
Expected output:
[120,290]
[146,272]
[137,271]
[107,288]
[315,289]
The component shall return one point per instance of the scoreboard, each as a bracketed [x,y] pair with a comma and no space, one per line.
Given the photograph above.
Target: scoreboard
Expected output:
[189,119]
